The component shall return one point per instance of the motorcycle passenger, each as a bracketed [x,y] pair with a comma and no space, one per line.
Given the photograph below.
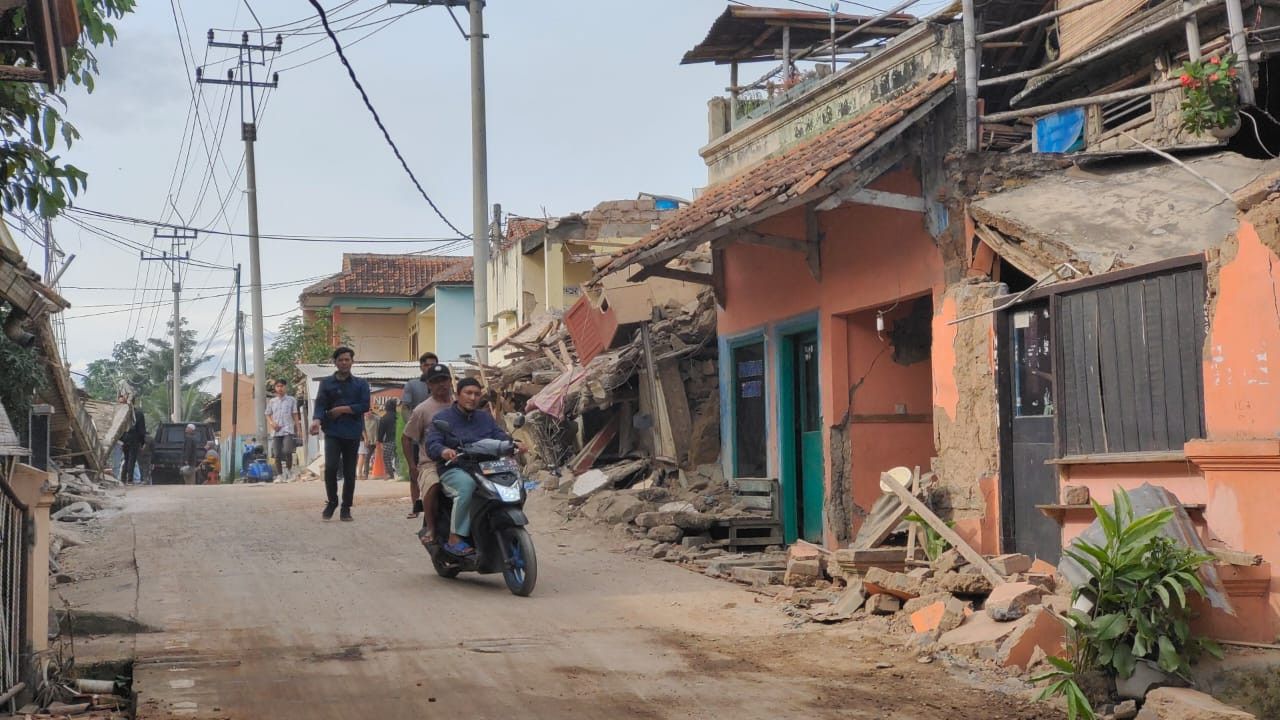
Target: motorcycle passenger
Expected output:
[467,424]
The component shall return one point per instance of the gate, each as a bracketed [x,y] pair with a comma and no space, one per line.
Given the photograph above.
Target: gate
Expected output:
[13,585]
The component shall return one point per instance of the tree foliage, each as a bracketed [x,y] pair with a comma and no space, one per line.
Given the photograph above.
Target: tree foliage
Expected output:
[22,376]
[35,178]
[145,369]
[302,341]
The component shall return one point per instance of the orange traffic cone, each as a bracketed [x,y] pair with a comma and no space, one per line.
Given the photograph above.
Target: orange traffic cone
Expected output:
[379,471]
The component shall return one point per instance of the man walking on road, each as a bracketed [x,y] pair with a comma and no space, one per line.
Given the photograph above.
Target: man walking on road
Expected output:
[387,437]
[340,403]
[132,441]
[283,421]
[424,479]
[416,391]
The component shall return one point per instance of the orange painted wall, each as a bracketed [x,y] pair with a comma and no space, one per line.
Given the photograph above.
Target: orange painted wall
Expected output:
[871,258]
[1181,478]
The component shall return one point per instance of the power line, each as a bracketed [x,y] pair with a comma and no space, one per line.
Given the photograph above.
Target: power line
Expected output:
[116,217]
[388,22]
[337,45]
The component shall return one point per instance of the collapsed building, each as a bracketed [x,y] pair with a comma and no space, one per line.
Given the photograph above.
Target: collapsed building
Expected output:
[900,281]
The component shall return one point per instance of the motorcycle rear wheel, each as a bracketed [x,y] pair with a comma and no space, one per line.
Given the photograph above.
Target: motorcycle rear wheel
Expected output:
[522,575]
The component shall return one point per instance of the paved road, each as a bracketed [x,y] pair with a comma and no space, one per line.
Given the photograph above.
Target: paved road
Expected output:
[258,609]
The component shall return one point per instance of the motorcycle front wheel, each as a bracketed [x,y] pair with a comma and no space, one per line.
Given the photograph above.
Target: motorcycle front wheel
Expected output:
[522,572]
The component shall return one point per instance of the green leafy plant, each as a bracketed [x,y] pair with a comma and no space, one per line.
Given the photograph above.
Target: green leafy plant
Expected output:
[931,542]
[1063,682]
[1137,593]
[1210,94]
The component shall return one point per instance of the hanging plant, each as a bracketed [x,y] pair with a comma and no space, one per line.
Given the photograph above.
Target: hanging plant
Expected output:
[1210,94]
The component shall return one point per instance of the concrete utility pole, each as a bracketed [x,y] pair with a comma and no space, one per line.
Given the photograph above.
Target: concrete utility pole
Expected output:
[479,166]
[235,387]
[175,259]
[241,77]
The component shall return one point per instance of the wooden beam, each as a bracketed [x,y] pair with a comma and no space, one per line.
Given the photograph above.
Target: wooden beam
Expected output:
[881,198]
[973,556]
[1040,110]
[813,243]
[750,237]
[886,160]
[672,273]
[1011,29]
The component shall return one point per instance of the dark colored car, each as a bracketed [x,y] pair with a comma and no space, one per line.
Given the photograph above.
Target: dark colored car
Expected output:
[166,453]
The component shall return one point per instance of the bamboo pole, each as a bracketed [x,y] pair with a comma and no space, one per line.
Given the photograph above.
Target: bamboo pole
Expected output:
[1040,110]
[971,69]
[1009,30]
[1239,46]
[1104,49]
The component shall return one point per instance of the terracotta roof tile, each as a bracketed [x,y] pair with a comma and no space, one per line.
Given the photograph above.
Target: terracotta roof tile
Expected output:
[792,173]
[388,275]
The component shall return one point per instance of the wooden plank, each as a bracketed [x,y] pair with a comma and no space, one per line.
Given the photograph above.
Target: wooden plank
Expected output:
[564,353]
[676,403]
[1190,349]
[1123,342]
[590,452]
[1093,374]
[1202,328]
[1172,360]
[973,556]
[554,360]
[1153,333]
[649,271]
[1143,456]
[1068,395]
[1138,351]
[913,530]
[1109,371]
[1235,557]
[886,514]
[870,555]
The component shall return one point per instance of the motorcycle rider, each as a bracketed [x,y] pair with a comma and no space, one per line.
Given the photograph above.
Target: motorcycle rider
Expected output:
[467,424]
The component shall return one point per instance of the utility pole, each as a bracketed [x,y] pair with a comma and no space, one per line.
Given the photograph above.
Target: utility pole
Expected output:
[241,77]
[235,384]
[175,258]
[479,166]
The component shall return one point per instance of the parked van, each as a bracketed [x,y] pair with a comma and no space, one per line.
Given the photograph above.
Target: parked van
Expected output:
[166,453]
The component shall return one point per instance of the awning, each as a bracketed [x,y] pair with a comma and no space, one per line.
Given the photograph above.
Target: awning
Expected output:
[1117,214]
[804,174]
[746,34]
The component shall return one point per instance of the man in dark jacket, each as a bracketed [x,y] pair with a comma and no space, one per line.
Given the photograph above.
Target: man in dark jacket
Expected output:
[467,424]
[341,402]
[132,441]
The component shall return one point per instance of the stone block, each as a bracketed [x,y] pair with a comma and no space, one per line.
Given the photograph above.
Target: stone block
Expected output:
[1038,629]
[654,519]
[899,585]
[802,572]
[965,584]
[612,508]
[1047,583]
[759,576]
[883,604]
[939,617]
[949,561]
[1010,601]
[1011,564]
[978,632]
[1187,704]
[694,541]
[665,534]
[693,521]
[1075,495]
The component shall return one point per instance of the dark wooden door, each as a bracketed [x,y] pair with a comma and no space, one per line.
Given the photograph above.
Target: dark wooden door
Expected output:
[751,459]
[1028,410]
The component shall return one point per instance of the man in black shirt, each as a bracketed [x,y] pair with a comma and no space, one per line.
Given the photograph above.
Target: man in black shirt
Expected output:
[132,441]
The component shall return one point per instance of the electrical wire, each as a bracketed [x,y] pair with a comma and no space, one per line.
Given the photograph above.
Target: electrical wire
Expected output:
[116,217]
[384,25]
[342,56]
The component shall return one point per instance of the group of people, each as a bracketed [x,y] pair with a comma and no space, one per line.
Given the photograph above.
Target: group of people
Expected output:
[342,412]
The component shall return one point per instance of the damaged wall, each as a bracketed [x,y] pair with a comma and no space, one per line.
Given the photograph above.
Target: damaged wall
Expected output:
[966,414]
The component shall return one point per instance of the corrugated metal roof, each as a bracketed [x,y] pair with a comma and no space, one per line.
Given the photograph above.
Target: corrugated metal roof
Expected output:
[399,371]
[748,34]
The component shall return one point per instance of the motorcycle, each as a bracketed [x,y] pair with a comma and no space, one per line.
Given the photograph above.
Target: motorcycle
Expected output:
[502,544]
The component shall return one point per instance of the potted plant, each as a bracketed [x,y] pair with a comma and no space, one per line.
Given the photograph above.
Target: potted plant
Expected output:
[1209,102]
[1138,589]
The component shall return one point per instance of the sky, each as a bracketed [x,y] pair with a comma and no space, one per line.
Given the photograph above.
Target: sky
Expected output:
[586,102]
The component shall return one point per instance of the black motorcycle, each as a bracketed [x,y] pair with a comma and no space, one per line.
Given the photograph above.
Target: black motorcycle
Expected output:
[502,544]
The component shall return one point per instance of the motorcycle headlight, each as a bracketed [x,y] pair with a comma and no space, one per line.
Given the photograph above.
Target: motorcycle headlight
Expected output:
[505,493]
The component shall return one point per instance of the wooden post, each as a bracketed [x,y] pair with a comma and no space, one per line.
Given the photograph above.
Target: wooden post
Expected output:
[786,55]
[733,94]
[973,556]
[970,23]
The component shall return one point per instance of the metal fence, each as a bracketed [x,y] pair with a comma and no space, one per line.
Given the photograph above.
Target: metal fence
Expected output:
[13,585]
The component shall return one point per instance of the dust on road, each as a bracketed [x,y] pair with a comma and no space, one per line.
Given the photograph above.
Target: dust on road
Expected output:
[262,610]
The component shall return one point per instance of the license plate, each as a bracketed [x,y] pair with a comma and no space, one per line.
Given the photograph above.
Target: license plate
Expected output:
[494,467]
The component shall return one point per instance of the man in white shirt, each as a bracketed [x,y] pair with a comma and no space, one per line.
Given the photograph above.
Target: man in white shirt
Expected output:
[424,479]
[282,420]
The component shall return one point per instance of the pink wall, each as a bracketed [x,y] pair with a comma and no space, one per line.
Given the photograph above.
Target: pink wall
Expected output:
[871,258]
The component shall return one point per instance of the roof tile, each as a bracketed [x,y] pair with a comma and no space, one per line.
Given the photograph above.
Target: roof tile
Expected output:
[390,275]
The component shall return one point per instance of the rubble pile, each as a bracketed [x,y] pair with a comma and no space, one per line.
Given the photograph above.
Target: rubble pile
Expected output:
[82,501]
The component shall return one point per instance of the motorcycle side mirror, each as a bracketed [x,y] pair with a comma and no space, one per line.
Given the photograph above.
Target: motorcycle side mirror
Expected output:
[517,420]
[441,425]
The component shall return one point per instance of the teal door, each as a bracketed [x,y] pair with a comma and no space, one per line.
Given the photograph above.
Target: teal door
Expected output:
[801,433]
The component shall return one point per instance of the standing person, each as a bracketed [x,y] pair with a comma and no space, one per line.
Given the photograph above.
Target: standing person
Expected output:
[415,391]
[368,443]
[192,453]
[467,424]
[340,402]
[132,441]
[283,420]
[387,437]
[423,478]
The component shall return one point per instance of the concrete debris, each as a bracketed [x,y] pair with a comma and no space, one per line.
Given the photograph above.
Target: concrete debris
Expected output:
[883,604]
[1075,495]
[666,533]
[589,482]
[75,512]
[1012,564]
[1187,704]
[1011,601]
[803,572]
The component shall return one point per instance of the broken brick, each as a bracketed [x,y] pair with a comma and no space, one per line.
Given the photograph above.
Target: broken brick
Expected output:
[801,572]
[976,633]
[1075,495]
[1168,703]
[1010,601]
[759,577]
[1038,629]
[883,604]
[899,585]
[963,584]
[665,534]
[1010,564]
[939,617]
[948,561]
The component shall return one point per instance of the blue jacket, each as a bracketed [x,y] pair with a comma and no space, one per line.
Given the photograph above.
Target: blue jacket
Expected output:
[464,429]
[334,393]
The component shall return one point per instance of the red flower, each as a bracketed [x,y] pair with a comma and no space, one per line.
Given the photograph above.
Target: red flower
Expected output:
[1231,72]
[1185,80]
[1215,60]
[1213,77]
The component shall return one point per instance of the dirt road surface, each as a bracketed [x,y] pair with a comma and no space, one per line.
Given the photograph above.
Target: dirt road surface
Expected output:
[251,606]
